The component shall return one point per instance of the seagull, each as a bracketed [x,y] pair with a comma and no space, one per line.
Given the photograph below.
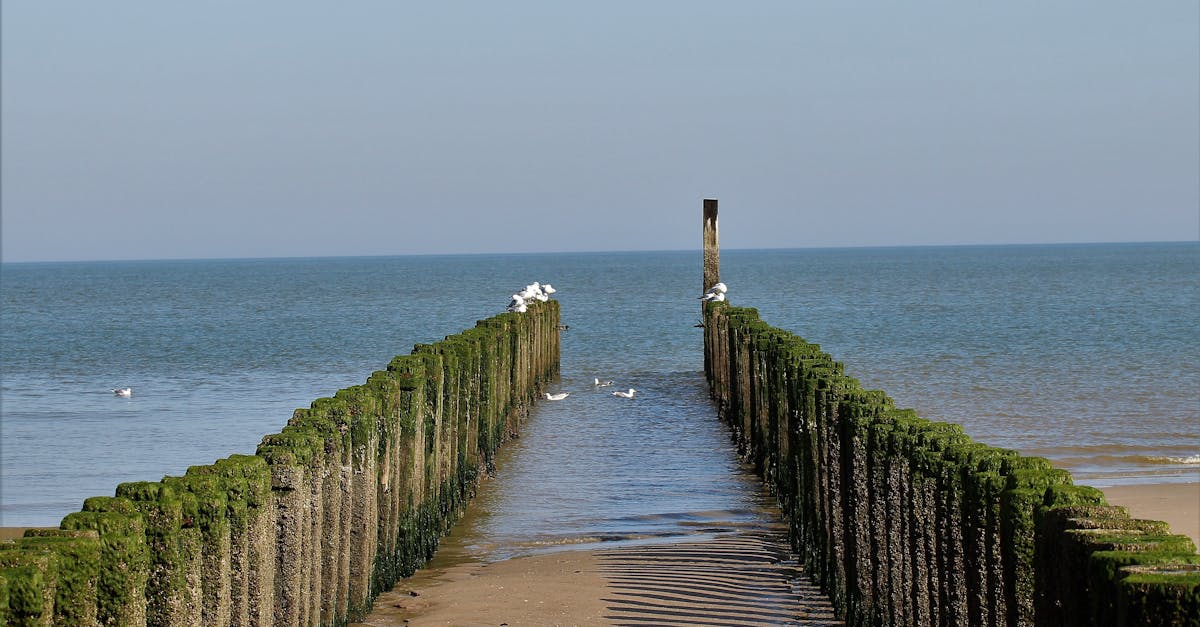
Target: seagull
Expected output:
[716,292]
[602,384]
[517,304]
[556,397]
[531,291]
[628,394]
[126,392]
[548,289]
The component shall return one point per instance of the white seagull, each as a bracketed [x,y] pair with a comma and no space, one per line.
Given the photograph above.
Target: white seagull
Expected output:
[628,394]
[556,397]
[126,392]
[716,292]
[548,289]
[602,384]
[517,304]
[531,291]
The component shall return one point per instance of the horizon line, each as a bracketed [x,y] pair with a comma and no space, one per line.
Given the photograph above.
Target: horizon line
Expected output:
[697,250]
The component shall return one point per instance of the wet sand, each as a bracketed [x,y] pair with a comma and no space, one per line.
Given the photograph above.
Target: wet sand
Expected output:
[11,533]
[742,579]
[1177,504]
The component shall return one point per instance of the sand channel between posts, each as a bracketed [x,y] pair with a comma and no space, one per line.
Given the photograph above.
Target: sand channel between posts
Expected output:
[742,579]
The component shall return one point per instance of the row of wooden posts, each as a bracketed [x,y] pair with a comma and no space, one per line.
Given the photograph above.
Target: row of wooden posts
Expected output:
[349,497]
[906,521]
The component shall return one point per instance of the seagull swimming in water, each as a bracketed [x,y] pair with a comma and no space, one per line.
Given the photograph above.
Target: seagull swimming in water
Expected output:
[602,384]
[126,392]
[628,394]
[556,397]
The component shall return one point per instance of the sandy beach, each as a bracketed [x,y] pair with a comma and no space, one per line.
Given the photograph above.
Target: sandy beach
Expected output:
[1177,504]
[743,579]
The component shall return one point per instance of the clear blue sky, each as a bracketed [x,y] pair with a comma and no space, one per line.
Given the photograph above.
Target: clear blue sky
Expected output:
[147,129]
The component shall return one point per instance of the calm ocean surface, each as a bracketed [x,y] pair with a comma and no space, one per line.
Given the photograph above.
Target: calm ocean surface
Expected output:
[1085,354]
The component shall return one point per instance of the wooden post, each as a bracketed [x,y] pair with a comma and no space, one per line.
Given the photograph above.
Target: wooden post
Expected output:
[712,250]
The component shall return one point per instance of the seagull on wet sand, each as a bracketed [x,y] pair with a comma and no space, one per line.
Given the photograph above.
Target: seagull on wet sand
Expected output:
[556,397]
[126,392]
[628,394]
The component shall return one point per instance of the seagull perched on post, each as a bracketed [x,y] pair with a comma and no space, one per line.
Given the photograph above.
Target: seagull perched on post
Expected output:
[517,304]
[556,397]
[716,292]
[531,291]
[628,394]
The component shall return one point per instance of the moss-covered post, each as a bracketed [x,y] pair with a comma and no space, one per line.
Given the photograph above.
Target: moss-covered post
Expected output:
[251,515]
[365,517]
[75,560]
[1020,506]
[887,491]
[290,455]
[409,374]
[4,614]
[382,389]
[31,585]
[1166,594]
[124,558]
[211,538]
[169,523]
[857,413]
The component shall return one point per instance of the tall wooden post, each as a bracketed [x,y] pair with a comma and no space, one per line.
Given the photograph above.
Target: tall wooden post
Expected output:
[712,250]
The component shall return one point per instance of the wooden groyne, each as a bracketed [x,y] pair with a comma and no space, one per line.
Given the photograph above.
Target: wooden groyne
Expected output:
[352,495]
[906,521]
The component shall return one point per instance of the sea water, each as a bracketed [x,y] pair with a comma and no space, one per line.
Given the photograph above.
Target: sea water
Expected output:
[1084,354]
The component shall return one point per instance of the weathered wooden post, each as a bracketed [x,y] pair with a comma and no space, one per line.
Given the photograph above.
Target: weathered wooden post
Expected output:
[712,250]
[712,274]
